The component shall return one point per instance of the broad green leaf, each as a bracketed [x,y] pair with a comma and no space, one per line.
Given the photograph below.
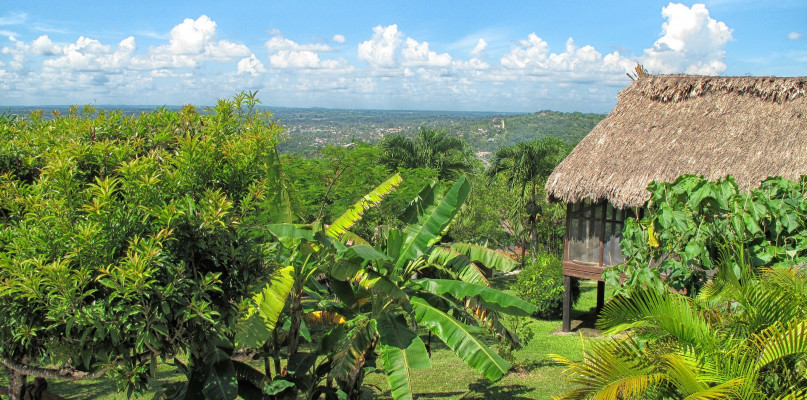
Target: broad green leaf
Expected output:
[371,280]
[344,291]
[463,268]
[364,252]
[280,210]
[354,213]
[272,299]
[493,299]
[429,229]
[490,258]
[401,351]
[221,382]
[291,234]
[251,332]
[268,304]
[344,269]
[277,386]
[458,337]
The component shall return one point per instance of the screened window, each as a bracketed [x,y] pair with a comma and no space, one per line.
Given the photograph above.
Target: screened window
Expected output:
[593,233]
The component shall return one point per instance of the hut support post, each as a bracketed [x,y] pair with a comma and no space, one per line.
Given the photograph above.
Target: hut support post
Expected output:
[567,304]
[600,296]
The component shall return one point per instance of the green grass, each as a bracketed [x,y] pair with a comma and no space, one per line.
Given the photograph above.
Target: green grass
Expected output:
[534,375]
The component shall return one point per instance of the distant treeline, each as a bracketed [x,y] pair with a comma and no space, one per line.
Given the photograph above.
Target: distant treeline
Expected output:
[308,130]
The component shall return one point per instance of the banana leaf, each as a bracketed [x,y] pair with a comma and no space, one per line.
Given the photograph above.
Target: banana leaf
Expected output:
[429,228]
[260,321]
[458,337]
[354,213]
[490,258]
[493,299]
[401,352]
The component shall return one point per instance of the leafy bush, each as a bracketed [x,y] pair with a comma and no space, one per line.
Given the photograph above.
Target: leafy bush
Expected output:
[686,222]
[541,283]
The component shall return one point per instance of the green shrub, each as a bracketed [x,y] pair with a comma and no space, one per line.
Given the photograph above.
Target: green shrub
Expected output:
[541,283]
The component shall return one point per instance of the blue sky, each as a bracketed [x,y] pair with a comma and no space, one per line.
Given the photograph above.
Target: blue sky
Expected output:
[520,56]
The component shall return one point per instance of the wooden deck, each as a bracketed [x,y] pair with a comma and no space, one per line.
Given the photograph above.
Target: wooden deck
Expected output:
[580,270]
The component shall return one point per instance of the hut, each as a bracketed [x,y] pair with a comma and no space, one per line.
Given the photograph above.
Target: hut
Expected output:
[664,126]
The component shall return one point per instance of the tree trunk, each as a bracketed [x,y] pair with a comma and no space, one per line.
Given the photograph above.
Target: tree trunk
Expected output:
[533,237]
[16,385]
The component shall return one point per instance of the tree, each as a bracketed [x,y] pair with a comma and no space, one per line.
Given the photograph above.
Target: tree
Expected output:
[430,148]
[743,337]
[488,214]
[525,168]
[128,239]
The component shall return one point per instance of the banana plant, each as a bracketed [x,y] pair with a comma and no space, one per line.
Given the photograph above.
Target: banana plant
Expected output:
[383,296]
[452,305]
[275,319]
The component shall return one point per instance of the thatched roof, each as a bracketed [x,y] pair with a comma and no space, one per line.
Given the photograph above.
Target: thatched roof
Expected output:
[664,126]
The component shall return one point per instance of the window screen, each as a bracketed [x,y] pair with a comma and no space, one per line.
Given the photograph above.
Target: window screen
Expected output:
[593,233]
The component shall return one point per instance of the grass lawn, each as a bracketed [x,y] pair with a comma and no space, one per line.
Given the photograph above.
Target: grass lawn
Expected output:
[534,375]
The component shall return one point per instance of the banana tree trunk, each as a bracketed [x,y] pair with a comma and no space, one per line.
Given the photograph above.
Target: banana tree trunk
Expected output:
[293,341]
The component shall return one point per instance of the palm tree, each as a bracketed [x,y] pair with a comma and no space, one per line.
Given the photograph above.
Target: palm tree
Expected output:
[743,337]
[525,166]
[430,148]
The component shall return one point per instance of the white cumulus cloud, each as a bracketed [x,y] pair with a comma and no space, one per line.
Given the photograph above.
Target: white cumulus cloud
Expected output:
[251,65]
[277,43]
[692,42]
[295,59]
[44,46]
[481,45]
[91,55]
[380,50]
[339,39]
[418,54]
[533,52]
[795,36]
[191,43]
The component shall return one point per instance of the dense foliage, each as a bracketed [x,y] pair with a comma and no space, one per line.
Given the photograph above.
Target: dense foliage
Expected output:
[743,337]
[736,323]
[125,239]
[685,222]
[167,237]
[324,186]
[541,283]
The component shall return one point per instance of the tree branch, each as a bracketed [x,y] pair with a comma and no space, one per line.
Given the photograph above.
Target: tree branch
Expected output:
[61,373]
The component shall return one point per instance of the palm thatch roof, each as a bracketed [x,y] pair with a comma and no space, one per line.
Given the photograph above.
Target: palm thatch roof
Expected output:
[664,126]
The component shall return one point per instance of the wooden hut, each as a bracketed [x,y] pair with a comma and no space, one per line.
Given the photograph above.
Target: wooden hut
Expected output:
[664,126]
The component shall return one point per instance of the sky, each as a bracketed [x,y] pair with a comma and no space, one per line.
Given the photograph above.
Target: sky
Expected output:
[512,56]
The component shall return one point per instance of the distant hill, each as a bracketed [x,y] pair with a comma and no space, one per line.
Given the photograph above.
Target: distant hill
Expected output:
[310,129]
[508,130]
